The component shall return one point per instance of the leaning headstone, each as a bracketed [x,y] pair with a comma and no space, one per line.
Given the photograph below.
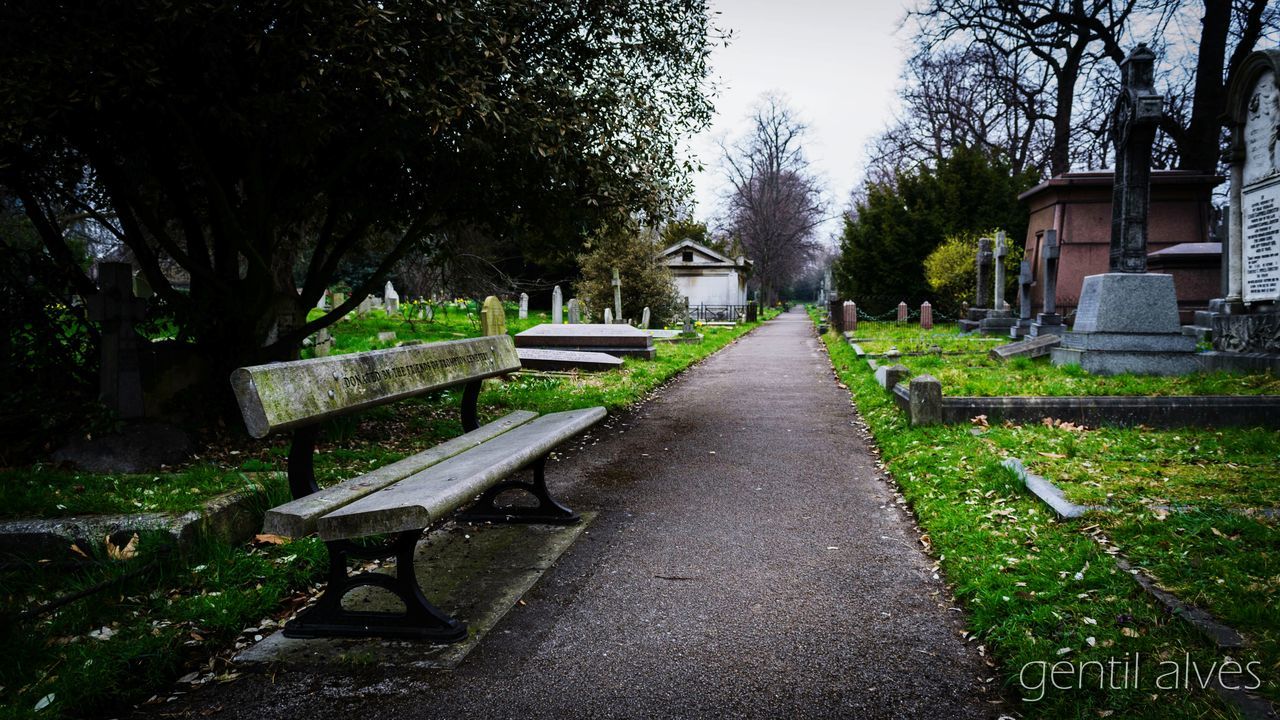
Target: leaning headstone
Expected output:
[1023,327]
[1248,318]
[557,301]
[617,295]
[493,319]
[849,316]
[1127,319]
[365,307]
[117,310]
[575,312]
[999,320]
[391,299]
[524,306]
[1032,347]
[644,318]
[926,316]
[902,311]
[608,316]
[1048,321]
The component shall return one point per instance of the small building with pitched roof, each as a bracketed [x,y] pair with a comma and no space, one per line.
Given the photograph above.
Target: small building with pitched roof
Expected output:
[705,277]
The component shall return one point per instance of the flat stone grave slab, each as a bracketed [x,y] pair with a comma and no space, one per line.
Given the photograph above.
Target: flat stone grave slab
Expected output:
[661,334]
[612,339]
[538,359]
[1035,347]
[476,573]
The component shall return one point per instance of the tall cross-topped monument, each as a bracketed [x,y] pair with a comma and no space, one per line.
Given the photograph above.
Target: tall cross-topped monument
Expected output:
[1133,130]
[1127,319]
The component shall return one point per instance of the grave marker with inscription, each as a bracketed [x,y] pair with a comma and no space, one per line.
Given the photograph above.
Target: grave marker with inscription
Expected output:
[575,312]
[1248,319]
[557,303]
[524,306]
[493,318]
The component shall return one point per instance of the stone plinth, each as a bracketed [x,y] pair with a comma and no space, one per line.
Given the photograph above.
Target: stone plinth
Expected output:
[1128,323]
[611,339]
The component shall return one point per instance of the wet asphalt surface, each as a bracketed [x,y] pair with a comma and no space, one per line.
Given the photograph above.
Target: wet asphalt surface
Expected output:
[748,560]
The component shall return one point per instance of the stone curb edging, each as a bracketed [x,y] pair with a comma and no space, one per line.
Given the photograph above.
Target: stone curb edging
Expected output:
[230,517]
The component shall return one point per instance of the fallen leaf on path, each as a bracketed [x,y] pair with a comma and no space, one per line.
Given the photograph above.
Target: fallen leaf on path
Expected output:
[1055,456]
[269,539]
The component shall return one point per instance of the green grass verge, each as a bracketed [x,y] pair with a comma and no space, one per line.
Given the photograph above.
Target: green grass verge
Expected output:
[99,655]
[1039,591]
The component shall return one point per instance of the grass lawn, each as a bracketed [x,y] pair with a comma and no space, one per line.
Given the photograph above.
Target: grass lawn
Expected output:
[166,614]
[1040,591]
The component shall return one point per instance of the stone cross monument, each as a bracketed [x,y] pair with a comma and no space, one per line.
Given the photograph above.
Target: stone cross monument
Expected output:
[1023,327]
[1133,129]
[983,299]
[617,295]
[1127,319]
[999,321]
[1048,322]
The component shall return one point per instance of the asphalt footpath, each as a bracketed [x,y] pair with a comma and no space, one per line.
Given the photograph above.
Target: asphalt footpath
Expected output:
[747,559]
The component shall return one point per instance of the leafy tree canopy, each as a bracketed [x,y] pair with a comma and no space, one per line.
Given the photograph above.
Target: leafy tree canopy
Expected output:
[895,226]
[257,145]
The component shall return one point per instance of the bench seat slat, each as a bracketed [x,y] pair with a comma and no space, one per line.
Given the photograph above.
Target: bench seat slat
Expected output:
[419,500]
[298,518]
[280,396]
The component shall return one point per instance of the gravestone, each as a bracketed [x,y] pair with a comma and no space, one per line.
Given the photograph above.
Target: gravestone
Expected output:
[849,316]
[541,359]
[387,336]
[999,320]
[1048,321]
[687,330]
[493,319]
[1127,319]
[324,343]
[611,339]
[902,311]
[557,311]
[524,306]
[1248,318]
[608,316]
[142,288]
[116,310]
[835,311]
[982,292]
[336,299]
[926,316]
[1032,347]
[617,295]
[322,303]
[1023,327]
[366,305]
[644,318]
[753,312]
[575,312]
[391,299]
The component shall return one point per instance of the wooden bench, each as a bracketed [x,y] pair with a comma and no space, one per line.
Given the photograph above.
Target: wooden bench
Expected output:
[402,499]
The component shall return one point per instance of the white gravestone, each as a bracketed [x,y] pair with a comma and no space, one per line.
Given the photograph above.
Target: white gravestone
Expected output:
[557,309]
[524,306]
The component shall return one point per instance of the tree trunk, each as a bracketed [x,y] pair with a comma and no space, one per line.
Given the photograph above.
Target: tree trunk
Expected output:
[1199,146]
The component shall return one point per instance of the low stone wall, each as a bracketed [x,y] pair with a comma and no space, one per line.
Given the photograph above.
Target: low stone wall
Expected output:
[922,398]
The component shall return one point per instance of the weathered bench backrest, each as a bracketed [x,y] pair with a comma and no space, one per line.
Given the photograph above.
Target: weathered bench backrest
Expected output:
[284,395]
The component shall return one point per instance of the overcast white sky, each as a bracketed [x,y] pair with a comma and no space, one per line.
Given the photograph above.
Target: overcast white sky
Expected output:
[836,61]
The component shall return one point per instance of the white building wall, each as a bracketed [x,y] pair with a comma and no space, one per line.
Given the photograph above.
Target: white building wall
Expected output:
[722,288]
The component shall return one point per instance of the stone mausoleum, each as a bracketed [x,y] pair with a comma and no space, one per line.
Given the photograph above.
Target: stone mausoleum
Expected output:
[705,277]
[1078,206]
